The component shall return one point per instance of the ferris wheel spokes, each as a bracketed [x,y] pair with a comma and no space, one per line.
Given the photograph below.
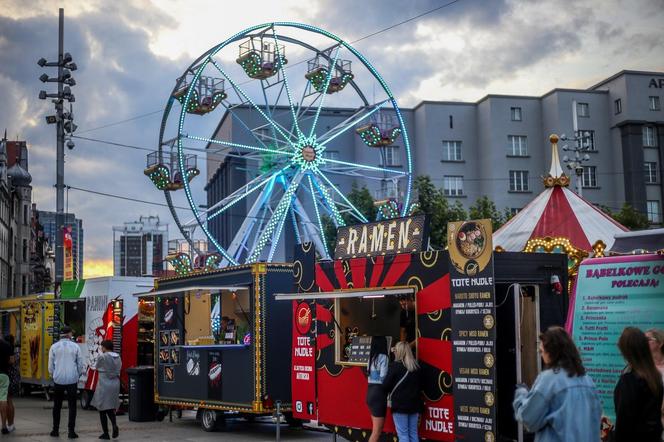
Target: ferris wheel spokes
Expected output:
[329,203]
[350,122]
[288,92]
[323,93]
[237,145]
[357,214]
[241,92]
[276,223]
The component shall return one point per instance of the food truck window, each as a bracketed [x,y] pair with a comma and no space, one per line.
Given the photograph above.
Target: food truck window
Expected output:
[74,317]
[361,318]
[221,317]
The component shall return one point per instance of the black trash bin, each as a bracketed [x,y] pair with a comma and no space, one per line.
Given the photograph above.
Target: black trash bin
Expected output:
[141,394]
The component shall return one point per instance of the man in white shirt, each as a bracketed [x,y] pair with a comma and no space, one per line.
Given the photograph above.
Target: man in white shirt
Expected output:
[65,366]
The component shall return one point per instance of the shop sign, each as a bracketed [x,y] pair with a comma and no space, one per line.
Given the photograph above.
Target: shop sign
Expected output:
[393,236]
[606,294]
[658,83]
[303,363]
[473,329]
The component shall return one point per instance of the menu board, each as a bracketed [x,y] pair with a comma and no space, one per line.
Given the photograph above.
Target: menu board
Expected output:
[473,329]
[170,336]
[360,347]
[611,294]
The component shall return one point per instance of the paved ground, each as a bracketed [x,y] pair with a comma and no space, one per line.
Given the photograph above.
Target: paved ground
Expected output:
[33,423]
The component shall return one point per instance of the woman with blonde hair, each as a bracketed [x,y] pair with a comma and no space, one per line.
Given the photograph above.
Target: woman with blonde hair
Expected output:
[656,343]
[402,384]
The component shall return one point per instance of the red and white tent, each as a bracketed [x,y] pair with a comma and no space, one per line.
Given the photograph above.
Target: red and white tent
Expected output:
[558,212]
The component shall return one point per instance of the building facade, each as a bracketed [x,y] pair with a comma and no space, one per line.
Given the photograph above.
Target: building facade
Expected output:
[15,219]
[140,247]
[497,146]
[47,220]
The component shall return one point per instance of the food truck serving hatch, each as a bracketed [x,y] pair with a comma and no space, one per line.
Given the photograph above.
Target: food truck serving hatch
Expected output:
[377,293]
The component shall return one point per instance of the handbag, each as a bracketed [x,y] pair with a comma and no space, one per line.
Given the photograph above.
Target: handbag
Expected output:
[389,396]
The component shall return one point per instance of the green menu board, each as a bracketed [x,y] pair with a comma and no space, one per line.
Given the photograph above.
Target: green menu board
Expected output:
[611,294]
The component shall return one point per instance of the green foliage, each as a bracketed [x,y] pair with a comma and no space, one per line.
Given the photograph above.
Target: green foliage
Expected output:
[629,217]
[485,208]
[432,202]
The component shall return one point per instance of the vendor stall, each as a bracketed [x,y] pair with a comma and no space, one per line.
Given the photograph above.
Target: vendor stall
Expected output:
[475,323]
[222,340]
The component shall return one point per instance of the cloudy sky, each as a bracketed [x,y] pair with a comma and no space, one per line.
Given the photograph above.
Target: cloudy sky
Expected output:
[129,54]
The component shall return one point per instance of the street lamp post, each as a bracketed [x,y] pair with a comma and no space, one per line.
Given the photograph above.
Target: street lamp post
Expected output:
[64,128]
[582,143]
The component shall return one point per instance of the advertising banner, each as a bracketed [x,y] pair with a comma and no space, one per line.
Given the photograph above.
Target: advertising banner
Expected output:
[473,329]
[611,294]
[68,252]
[39,326]
[303,372]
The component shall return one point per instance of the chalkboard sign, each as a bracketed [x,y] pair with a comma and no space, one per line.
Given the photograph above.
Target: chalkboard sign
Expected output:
[360,346]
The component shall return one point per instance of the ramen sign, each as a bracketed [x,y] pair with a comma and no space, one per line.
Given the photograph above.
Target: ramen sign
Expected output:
[400,235]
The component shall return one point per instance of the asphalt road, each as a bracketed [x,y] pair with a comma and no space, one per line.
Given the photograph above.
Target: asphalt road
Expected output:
[33,423]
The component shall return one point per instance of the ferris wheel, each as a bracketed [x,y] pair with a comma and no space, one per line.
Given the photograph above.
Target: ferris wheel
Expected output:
[303,110]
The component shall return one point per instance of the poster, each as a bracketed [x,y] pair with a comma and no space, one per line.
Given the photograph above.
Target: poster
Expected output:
[473,329]
[611,294]
[303,372]
[214,374]
[67,246]
[39,326]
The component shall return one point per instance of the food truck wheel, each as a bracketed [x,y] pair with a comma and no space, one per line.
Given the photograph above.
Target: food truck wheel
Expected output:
[161,414]
[212,420]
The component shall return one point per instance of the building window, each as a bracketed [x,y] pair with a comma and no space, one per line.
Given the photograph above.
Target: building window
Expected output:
[331,154]
[649,136]
[518,180]
[451,150]
[264,134]
[391,189]
[589,177]
[25,250]
[650,172]
[451,122]
[586,140]
[653,212]
[582,110]
[617,106]
[517,145]
[515,113]
[391,156]
[653,103]
[453,185]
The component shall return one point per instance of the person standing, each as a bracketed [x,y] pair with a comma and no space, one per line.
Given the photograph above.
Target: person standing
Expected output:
[376,396]
[407,320]
[656,342]
[562,405]
[403,384]
[65,366]
[107,393]
[6,359]
[14,384]
[638,393]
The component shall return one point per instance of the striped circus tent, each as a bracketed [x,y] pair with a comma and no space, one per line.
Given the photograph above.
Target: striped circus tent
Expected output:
[558,212]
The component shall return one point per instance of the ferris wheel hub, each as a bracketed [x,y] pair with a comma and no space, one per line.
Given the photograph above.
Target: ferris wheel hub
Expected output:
[308,154]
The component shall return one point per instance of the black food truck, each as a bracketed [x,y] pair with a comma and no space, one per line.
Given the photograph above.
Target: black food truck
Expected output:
[477,316]
[221,342]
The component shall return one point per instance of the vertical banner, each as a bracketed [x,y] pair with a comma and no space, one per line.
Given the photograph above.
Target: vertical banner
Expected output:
[69,257]
[473,329]
[30,365]
[214,375]
[303,369]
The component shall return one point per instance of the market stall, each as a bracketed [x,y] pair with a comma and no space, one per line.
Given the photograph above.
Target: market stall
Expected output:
[222,340]
[475,322]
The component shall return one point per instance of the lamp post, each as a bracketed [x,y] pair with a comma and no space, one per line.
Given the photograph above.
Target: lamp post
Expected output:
[582,143]
[64,128]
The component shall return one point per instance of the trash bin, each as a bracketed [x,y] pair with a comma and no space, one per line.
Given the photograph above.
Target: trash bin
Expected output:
[141,394]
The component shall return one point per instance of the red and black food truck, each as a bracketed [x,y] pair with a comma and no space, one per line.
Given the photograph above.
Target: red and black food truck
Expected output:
[478,315]
[222,342]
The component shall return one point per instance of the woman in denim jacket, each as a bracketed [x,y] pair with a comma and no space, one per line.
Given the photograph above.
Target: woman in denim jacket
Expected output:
[563,405]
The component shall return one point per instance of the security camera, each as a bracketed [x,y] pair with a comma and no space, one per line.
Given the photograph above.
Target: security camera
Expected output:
[65,74]
[66,58]
[43,78]
[70,81]
[70,144]
[42,62]
[42,95]
[71,66]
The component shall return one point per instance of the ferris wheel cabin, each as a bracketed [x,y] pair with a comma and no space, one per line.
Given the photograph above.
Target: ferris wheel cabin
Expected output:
[164,171]
[318,69]
[382,130]
[261,59]
[207,93]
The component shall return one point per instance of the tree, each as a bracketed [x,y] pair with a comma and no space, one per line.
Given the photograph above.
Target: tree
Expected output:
[432,202]
[631,218]
[485,208]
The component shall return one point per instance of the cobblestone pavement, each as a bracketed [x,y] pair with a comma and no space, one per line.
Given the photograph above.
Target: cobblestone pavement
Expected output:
[33,423]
